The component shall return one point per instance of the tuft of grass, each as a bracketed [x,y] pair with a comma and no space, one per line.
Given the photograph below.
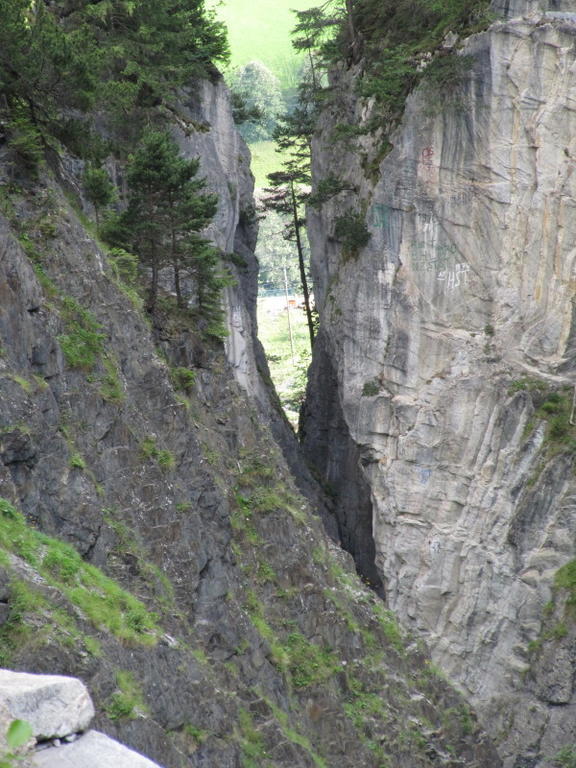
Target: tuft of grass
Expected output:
[251,741]
[77,462]
[566,757]
[110,385]
[164,458]
[127,702]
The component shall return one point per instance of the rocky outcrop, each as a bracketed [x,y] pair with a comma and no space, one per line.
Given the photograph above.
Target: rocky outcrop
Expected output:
[450,339]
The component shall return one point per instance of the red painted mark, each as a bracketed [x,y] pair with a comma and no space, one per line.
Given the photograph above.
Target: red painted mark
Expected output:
[427,155]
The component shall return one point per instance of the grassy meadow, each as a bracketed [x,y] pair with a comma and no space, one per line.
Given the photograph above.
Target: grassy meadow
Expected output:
[260,30]
[288,370]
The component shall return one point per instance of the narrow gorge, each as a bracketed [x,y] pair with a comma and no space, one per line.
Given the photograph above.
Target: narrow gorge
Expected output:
[393,590]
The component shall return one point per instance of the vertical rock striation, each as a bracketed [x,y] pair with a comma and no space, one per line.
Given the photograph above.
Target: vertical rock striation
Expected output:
[443,337]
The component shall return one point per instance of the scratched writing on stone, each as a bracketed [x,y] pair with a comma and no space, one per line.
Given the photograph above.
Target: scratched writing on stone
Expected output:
[429,258]
[454,277]
[380,215]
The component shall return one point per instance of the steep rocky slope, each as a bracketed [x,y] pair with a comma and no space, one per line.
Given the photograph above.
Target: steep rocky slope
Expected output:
[212,620]
[442,384]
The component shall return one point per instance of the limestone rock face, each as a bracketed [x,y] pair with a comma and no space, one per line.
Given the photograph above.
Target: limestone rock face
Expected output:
[93,750]
[465,289]
[53,705]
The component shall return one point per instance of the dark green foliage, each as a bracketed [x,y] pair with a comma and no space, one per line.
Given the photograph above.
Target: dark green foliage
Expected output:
[326,189]
[371,388]
[167,210]
[25,139]
[98,188]
[396,34]
[124,57]
[351,230]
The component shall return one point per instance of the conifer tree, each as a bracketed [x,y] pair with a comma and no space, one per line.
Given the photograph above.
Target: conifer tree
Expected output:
[99,190]
[167,210]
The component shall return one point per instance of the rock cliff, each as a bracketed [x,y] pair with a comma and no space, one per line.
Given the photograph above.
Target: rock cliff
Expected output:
[448,346]
[152,539]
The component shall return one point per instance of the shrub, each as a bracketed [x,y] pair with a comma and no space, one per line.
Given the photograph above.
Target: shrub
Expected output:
[351,230]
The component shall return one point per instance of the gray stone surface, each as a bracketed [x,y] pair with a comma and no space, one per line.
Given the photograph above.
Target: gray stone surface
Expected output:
[92,750]
[466,285]
[53,705]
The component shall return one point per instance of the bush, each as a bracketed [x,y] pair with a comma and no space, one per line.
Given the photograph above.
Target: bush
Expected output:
[351,230]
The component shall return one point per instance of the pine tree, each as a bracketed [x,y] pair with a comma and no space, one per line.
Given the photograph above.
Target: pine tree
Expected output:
[166,212]
[99,190]
[287,196]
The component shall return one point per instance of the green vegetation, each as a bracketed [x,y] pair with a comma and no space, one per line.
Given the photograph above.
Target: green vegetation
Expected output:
[126,541]
[83,342]
[183,378]
[351,230]
[98,189]
[566,579]
[371,388]
[264,27]
[121,59]
[294,736]
[566,757]
[128,701]
[100,599]
[19,733]
[265,160]
[252,742]
[287,369]
[167,209]
[164,458]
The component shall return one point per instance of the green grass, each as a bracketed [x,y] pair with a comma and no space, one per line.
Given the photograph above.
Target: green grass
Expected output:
[164,458]
[265,160]
[83,342]
[128,700]
[102,601]
[260,29]
[288,371]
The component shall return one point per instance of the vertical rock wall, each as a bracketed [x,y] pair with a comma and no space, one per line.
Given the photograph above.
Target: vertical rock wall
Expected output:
[431,333]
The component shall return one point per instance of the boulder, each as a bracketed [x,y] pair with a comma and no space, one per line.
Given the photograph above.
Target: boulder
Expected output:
[93,750]
[55,706]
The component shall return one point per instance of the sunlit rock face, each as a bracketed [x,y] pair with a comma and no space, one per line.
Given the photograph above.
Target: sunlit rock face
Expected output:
[466,286]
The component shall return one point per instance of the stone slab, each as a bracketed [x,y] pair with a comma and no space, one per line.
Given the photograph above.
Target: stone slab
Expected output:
[93,750]
[55,706]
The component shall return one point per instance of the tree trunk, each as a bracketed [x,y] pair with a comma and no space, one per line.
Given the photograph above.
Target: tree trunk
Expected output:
[301,265]
[177,288]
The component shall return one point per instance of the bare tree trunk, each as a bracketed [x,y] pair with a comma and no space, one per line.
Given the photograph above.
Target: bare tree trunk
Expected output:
[301,265]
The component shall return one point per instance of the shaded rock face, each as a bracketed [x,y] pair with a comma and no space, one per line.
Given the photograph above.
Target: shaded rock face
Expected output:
[465,290]
[265,649]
